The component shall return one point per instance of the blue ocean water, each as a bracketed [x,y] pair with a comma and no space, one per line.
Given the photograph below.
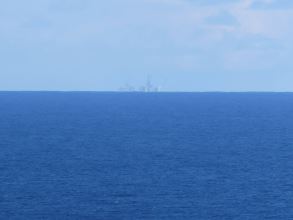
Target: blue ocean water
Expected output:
[146,156]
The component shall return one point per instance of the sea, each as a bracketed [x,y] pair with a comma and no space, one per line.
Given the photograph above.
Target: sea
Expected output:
[146,156]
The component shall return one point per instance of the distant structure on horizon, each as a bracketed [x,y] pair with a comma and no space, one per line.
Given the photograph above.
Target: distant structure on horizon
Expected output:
[148,87]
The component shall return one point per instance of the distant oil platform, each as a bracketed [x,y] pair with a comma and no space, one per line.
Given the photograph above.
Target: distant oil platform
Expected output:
[148,87]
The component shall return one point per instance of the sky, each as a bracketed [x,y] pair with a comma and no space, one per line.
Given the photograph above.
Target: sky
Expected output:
[184,45]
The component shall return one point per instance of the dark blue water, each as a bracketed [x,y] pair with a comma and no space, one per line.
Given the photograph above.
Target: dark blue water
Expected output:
[146,156]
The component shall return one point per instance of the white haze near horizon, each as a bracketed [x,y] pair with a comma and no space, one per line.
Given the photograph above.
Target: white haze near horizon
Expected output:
[185,45]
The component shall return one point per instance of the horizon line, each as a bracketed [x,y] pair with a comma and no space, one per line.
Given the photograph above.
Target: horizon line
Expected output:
[175,91]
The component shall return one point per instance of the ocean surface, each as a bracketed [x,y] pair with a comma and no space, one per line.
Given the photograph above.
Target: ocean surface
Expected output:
[109,156]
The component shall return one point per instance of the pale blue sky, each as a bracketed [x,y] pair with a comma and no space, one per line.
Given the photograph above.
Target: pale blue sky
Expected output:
[185,45]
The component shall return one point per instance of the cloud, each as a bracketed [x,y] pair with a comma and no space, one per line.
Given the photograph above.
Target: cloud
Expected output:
[272,4]
[182,23]
[222,18]
[185,34]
